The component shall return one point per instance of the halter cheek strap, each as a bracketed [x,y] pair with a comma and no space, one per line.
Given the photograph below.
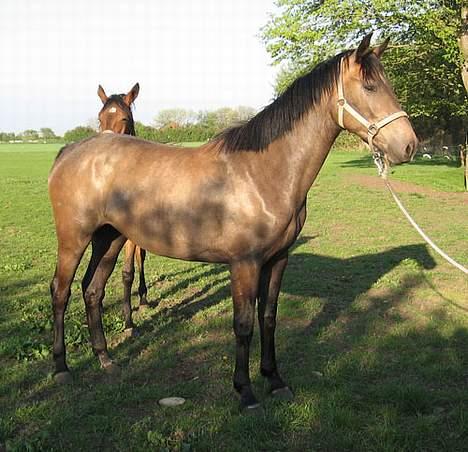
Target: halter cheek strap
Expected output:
[372,128]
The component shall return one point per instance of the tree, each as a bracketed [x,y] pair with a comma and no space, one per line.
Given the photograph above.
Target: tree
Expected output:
[464,45]
[245,113]
[78,133]
[423,64]
[47,133]
[30,135]
[174,116]
[7,136]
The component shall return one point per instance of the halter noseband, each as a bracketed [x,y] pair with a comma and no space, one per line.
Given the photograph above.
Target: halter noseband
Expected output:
[372,128]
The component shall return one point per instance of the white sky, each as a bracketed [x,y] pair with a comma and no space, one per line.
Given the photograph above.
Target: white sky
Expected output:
[196,54]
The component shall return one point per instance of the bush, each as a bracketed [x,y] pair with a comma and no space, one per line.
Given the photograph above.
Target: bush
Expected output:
[78,133]
[188,133]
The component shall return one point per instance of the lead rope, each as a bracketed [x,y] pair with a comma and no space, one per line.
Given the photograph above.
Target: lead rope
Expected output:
[382,169]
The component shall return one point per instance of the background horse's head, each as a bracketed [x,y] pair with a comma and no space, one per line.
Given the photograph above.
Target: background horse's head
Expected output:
[116,113]
[368,106]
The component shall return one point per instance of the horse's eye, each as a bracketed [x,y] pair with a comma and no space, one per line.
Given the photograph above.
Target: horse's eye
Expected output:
[125,119]
[370,88]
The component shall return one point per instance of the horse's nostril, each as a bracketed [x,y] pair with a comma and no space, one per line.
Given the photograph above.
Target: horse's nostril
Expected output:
[410,151]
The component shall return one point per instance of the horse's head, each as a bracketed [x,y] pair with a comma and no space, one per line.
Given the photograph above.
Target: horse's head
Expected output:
[367,105]
[116,114]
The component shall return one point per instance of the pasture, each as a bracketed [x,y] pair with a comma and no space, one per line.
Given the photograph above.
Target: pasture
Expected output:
[372,328]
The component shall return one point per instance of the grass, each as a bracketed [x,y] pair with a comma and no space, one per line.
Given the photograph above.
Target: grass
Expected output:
[372,331]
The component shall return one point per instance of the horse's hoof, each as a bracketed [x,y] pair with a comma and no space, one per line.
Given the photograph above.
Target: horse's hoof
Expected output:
[143,301]
[131,332]
[63,378]
[255,409]
[283,393]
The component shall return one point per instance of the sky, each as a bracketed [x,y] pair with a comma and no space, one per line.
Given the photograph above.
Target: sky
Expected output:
[194,54]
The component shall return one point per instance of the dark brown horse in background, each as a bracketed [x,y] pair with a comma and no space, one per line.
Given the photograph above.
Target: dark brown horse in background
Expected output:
[116,117]
[239,199]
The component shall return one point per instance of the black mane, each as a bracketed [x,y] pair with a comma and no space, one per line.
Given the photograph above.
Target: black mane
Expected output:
[278,118]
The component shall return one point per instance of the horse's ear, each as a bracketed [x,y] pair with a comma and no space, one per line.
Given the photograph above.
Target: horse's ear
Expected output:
[364,48]
[102,95]
[130,97]
[378,51]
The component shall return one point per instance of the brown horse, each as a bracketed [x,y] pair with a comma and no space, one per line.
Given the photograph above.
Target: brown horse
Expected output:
[116,117]
[239,199]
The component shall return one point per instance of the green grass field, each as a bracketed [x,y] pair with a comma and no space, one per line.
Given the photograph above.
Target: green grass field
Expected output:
[372,329]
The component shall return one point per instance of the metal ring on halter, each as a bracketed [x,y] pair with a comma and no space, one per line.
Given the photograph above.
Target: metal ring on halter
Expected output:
[373,130]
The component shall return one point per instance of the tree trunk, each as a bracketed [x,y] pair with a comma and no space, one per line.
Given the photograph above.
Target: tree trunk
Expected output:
[463,42]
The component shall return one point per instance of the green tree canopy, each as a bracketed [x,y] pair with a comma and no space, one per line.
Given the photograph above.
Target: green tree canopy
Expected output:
[30,134]
[78,133]
[174,116]
[423,63]
[47,133]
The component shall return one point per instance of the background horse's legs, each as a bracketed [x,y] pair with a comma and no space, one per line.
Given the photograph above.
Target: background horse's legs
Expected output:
[128,273]
[269,288]
[140,255]
[107,243]
[244,286]
[68,257]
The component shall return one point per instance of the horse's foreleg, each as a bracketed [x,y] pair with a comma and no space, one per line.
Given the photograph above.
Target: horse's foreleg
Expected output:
[128,273]
[68,258]
[244,286]
[107,244]
[140,255]
[269,288]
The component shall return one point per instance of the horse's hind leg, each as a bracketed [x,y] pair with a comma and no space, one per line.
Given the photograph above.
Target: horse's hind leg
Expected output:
[107,243]
[140,255]
[128,273]
[68,257]
[269,287]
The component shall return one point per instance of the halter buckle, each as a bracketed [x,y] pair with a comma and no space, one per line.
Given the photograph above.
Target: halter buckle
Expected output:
[372,130]
[341,102]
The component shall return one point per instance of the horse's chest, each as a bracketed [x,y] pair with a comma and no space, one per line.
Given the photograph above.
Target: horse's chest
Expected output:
[287,236]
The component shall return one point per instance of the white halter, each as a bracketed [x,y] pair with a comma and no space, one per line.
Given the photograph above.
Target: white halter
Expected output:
[372,128]
[107,131]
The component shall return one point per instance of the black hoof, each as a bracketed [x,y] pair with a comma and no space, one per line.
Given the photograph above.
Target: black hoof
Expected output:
[282,394]
[253,410]
[63,378]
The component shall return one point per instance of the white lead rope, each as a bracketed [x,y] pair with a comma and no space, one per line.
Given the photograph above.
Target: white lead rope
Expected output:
[421,232]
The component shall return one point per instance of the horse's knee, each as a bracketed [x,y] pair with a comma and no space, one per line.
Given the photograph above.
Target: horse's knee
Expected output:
[128,276]
[93,296]
[243,329]
[269,321]
[53,286]
[59,296]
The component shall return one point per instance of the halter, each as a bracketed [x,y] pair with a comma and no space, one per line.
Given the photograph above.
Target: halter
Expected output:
[372,128]
[107,131]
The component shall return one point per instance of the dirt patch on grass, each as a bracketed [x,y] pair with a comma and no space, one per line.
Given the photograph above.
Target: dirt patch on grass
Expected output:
[376,183]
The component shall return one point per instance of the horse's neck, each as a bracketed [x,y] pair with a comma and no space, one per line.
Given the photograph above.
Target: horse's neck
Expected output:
[304,150]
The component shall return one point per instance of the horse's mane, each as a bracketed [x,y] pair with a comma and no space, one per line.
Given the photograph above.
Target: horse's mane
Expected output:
[119,100]
[278,118]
